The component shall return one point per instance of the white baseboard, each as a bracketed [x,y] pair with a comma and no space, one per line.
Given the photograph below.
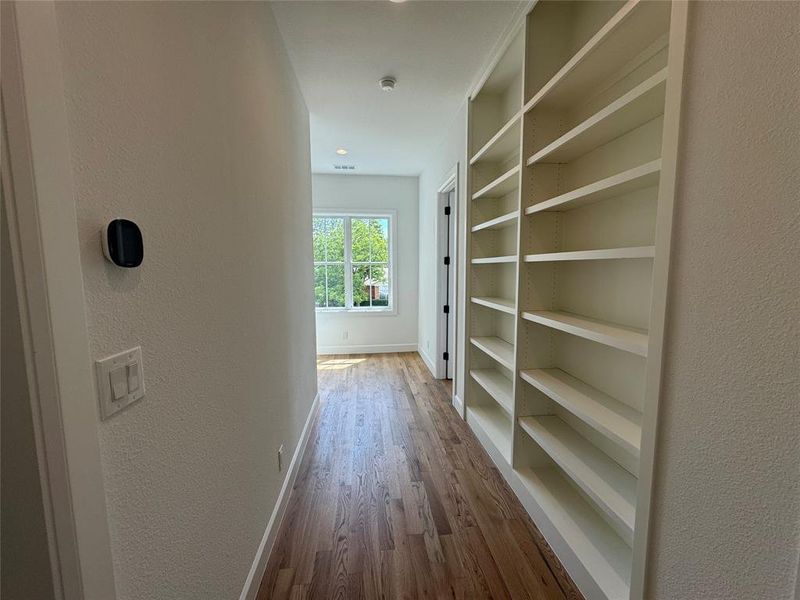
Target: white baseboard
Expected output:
[427,360]
[259,565]
[368,349]
[458,404]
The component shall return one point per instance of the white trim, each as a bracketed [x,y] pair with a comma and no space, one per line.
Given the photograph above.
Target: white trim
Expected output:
[450,185]
[427,360]
[259,565]
[45,241]
[515,23]
[368,349]
[670,147]
[355,213]
[458,404]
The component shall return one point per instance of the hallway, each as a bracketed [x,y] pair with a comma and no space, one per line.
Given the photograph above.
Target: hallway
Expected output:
[397,499]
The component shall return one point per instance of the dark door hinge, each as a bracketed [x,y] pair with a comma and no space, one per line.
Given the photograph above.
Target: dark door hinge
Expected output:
[445,356]
[447,309]
[447,211]
[447,260]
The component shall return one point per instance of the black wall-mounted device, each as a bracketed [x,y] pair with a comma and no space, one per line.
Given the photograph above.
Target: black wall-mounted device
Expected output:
[122,243]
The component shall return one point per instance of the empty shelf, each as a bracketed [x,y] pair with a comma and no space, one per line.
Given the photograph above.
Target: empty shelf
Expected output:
[494,347]
[605,254]
[495,424]
[498,222]
[610,486]
[491,260]
[616,336]
[503,144]
[635,27]
[501,304]
[604,555]
[638,106]
[497,386]
[617,421]
[643,176]
[499,187]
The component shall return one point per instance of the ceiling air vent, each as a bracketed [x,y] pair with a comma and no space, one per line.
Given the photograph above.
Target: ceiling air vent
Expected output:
[344,167]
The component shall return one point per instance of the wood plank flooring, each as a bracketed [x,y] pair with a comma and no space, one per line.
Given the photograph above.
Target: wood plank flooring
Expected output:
[396,499]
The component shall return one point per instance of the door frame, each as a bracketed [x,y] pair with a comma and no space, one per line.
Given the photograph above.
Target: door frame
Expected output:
[451,184]
[43,235]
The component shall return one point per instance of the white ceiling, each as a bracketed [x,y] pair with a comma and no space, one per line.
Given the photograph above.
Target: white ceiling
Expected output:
[339,51]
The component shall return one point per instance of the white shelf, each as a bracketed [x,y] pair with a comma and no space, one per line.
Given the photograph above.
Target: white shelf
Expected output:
[643,176]
[637,25]
[616,336]
[617,421]
[610,486]
[503,144]
[606,254]
[501,304]
[497,386]
[500,222]
[596,546]
[493,260]
[495,424]
[638,106]
[501,186]
[494,347]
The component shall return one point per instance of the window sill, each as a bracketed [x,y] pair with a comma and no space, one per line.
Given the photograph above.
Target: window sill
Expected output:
[386,312]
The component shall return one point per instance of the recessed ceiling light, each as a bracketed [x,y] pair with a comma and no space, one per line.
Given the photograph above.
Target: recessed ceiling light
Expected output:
[387,83]
[341,151]
[398,1]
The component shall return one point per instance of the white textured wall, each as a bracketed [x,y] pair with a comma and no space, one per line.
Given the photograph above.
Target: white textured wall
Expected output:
[727,489]
[450,151]
[375,332]
[186,117]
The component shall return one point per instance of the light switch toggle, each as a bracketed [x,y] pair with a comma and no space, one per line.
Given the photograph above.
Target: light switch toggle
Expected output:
[133,377]
[120,381]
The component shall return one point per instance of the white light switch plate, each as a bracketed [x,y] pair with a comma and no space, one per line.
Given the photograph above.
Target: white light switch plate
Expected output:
[131,362]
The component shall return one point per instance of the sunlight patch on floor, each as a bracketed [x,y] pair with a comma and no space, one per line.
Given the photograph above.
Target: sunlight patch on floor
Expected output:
[335,364]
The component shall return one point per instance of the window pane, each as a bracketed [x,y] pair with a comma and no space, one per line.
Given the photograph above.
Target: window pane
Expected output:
[319,286]
[361,285]
[335,286]
[380,279]
[319,238]
[360,239]
[328,239]
[379,240]
[335,238]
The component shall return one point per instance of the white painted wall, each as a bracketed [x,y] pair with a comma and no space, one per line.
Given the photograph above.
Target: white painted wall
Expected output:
[187,118]
[375,332]
[726,516]
[451,151]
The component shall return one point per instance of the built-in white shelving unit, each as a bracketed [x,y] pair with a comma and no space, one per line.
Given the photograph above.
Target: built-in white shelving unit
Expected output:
[571,162]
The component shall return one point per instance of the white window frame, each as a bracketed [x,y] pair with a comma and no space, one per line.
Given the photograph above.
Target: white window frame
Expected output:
[348,214]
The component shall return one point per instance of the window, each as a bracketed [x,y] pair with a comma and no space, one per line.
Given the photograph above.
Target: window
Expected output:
[353,262]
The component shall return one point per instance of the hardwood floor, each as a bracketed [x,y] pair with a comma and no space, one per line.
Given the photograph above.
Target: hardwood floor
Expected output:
[397,499]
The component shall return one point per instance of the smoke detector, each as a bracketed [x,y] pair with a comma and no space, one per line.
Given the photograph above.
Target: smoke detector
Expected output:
[387,83]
